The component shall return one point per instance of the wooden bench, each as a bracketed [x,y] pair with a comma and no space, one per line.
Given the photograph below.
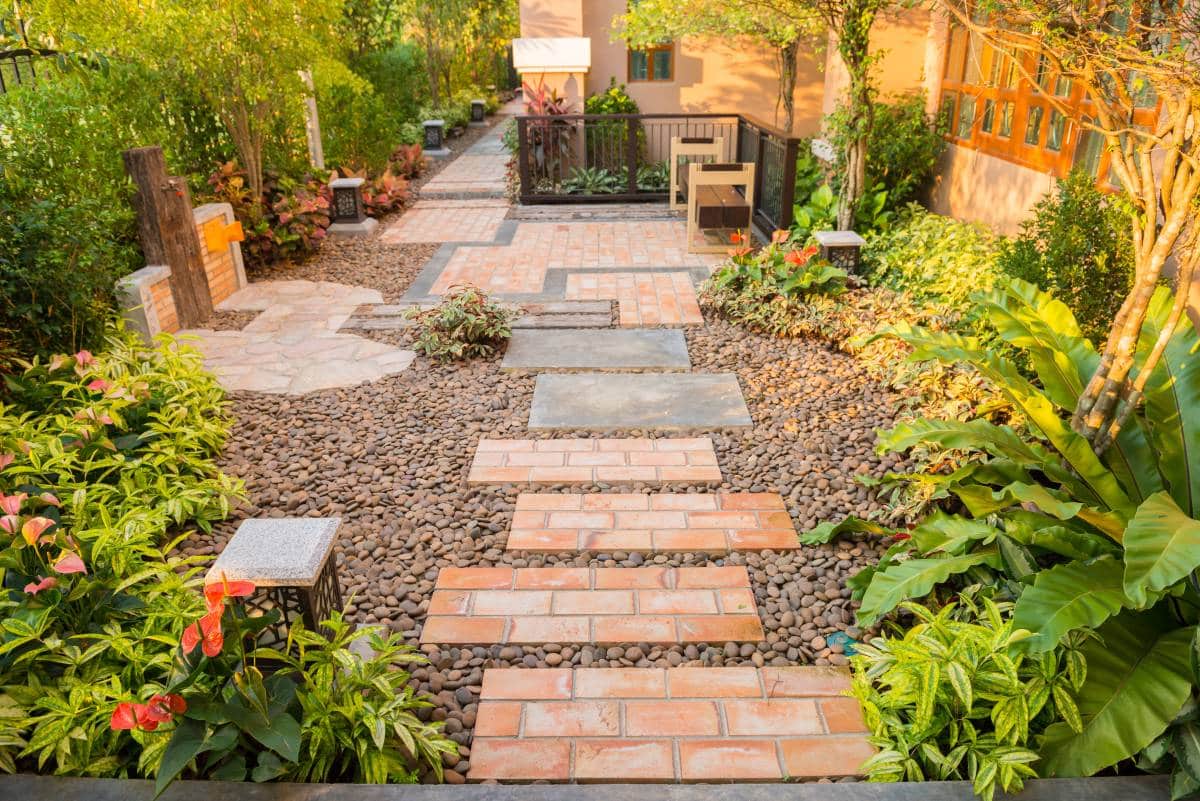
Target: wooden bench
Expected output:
[712,147]
[713,202]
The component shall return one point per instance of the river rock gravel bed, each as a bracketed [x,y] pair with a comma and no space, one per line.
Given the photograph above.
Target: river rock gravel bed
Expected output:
[390,458]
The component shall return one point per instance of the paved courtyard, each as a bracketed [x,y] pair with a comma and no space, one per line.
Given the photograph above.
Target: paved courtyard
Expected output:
[627,540]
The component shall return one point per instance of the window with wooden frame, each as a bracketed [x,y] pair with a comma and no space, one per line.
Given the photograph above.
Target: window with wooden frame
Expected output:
[999,105]
[656,63]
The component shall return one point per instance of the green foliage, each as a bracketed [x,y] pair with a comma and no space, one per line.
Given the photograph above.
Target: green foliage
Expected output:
[1077,247]
[948,701]
[464,325]
[932,258]
[1082,543]
[654,177]
[116,452]
[819,213]
[780,269]
[606,142]
[592,181]
[903,148]
[397,75]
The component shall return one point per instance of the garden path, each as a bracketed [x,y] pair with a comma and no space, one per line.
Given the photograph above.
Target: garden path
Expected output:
[683,724]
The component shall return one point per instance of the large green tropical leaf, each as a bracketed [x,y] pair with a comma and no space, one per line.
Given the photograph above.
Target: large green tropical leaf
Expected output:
[1102,487]
[1137,679]
[1067,597]
[1162,546]
[914,578]
[1065,538]
[1172,411]
[1044,327]
[1133,461]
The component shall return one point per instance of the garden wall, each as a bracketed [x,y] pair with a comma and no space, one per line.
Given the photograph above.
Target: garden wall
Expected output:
[145,296]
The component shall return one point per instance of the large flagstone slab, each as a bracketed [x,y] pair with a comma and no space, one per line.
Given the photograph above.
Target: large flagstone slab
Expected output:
[616,401]
[596,349]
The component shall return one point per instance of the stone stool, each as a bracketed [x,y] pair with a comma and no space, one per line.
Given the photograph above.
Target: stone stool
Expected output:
[288,559]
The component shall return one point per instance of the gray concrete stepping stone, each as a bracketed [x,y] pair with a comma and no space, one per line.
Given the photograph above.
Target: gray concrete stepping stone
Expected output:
[560,321]
[597,349]
[615,401]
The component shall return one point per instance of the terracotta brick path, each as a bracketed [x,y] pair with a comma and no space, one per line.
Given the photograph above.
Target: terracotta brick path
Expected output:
[590,461]
[683,724]
[448,220]
[642,298]
[662,523]
[537,605]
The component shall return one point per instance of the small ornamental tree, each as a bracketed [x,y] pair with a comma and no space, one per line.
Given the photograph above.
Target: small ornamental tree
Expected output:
[783,26]
[1118,51]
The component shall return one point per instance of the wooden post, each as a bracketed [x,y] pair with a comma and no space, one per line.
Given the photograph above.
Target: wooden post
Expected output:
[167,230]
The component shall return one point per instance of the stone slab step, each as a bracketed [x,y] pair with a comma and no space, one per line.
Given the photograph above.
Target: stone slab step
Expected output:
[667,725]
[594,461]
[622,401]
[551,308]
[609,349]
[545,321]
[660,523]
[604,606]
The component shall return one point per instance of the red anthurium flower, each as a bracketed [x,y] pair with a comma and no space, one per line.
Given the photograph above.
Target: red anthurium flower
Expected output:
[161,708]
[6,459]
[11,504]
[99,385]
[779,237]
[145,721]
[737,237]
[207,633]
[10,523]
[34,527]
[69,562]
[33,588]
[124,717]
[216,592]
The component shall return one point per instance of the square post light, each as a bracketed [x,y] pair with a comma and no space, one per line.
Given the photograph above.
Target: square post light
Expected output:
[841,248]
[290,562]
[478,112]
[434,143]
[349,213]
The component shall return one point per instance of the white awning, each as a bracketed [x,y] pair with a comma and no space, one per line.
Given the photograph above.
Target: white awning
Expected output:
[553,54]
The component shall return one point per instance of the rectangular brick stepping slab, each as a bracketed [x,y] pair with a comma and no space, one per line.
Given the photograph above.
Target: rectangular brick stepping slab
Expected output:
[606,349]
[606,606]
[661,523]
[642,298]
[593,461]
[622,401]
[674,725]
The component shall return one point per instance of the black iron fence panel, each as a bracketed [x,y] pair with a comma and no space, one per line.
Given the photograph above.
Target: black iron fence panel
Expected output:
[19,68]
[623,157]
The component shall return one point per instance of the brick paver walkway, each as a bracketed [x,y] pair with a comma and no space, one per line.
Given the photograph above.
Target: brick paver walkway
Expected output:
[642,298]
[448,220]
[683,724]
[663,523]
[593,461]
[536,605]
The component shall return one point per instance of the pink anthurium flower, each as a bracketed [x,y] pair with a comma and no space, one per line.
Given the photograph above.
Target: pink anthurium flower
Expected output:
[34,527]
[6,459]
[11,504]
[84,357]
[10,523]
[33,588]
[69,562]
[99,385]
[50,498]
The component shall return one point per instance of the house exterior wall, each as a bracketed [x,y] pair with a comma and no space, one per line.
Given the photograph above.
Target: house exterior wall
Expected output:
[900,40]
[551,18]
[975,186]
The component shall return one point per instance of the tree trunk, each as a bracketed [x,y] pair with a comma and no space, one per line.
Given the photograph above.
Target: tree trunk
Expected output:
[788,56]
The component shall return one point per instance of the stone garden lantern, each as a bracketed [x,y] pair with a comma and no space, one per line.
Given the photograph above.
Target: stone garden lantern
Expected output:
[478,112]
[841,248]
[349,213]
[434,143]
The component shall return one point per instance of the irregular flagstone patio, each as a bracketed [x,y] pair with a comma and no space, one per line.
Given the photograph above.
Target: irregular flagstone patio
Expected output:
[648,622]
[293,345]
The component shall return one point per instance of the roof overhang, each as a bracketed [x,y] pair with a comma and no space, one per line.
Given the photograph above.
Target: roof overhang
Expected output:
[553,54]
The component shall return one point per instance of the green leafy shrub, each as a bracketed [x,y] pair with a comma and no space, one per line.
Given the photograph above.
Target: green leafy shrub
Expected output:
[780,268]
[1081,542]
[1076,246]
[398,77]
[592,181]
[464,325]
[362,132]
[933,258]
[946,701]
[819,213]
[654,177]
[605,141]
[904,146]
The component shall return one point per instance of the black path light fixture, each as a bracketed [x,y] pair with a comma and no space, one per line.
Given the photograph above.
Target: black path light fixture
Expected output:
[349,212]
[434,142]
[841,248]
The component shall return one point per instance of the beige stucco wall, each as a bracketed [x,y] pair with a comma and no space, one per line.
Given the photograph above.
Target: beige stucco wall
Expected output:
[551,18]
[711,75]
[982,188]
[900,41]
